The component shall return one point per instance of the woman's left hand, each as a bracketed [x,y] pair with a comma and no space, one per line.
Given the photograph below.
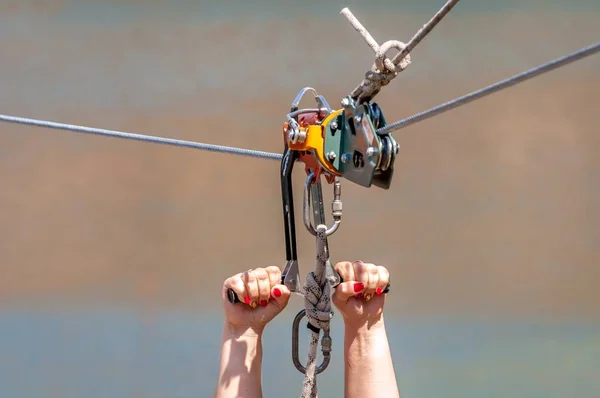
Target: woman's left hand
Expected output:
[263,298]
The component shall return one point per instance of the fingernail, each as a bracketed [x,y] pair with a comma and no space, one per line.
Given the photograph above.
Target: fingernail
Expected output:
[247,300]
[358,287]
[253,304]
[368,297]
[263,303]
[277,292]
[379,290]
[359,296]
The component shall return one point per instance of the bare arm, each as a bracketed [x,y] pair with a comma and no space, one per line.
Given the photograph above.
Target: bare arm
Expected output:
[241,348]
[369,370]
[368,366]
[241,359]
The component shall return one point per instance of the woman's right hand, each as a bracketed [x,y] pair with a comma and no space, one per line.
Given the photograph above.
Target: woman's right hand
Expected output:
[360,298]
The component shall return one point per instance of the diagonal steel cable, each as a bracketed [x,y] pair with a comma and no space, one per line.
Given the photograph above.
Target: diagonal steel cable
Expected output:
[140,137]
[511,81]
[424,31]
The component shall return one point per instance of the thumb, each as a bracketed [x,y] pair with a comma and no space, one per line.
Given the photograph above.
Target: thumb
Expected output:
[281,295]
[344,291]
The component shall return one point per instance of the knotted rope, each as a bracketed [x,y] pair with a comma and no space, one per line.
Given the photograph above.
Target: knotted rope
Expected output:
[317,304]
[384,70]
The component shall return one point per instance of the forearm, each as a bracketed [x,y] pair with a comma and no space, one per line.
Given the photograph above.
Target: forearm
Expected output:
[369,370]
[241,359]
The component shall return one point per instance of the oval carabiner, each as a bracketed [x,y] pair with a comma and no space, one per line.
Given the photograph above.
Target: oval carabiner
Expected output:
[336,204]
[325,346]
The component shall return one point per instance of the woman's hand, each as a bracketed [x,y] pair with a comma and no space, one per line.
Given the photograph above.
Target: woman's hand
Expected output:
[368,366]
[262,297]
[360,297]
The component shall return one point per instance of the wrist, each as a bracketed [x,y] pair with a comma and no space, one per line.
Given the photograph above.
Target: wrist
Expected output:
[241,332]
[241,358]
[370,327]
[366,342]
[241,348]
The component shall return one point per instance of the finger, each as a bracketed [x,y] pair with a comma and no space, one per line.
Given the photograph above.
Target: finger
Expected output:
[346,271]
[372,276]
[346,290]
[280,296]
[384,279]
[264,286]
[236,284]
[361,274]
[274,275]
[252,289]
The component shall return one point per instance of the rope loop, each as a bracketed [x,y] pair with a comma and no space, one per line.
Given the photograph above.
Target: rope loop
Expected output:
[384,64]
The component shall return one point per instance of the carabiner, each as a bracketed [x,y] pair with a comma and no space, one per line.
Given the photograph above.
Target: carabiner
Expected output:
[336,204]
[291,274]
[325,346]
[294,135]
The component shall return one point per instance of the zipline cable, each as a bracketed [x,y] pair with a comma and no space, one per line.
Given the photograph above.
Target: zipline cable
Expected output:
[511,81]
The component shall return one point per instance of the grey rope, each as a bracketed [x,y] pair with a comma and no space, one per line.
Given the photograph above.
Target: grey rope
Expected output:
[140,137]
[383,70]
[511,81]
[317,304]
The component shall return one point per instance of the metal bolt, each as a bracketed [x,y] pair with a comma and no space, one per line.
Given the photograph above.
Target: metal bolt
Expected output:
[301,136]
[358,118]
[345,102]
[346,158]
[334,126]
[331,156]
[371,151]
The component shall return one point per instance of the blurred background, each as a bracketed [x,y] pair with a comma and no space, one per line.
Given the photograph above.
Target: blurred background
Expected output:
[112,252]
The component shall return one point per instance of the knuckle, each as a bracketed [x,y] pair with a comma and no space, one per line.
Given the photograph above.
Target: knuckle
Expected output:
[261,274]
[250,276]
[232,281]
[342,267]
[273,270]
[362,270]
[383,272]
[359,267]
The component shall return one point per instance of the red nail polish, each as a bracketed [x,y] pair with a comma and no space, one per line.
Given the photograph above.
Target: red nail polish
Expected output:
[359,296]
[277,292]
[358,287]
[247,300]
[263,303]
[379,291]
